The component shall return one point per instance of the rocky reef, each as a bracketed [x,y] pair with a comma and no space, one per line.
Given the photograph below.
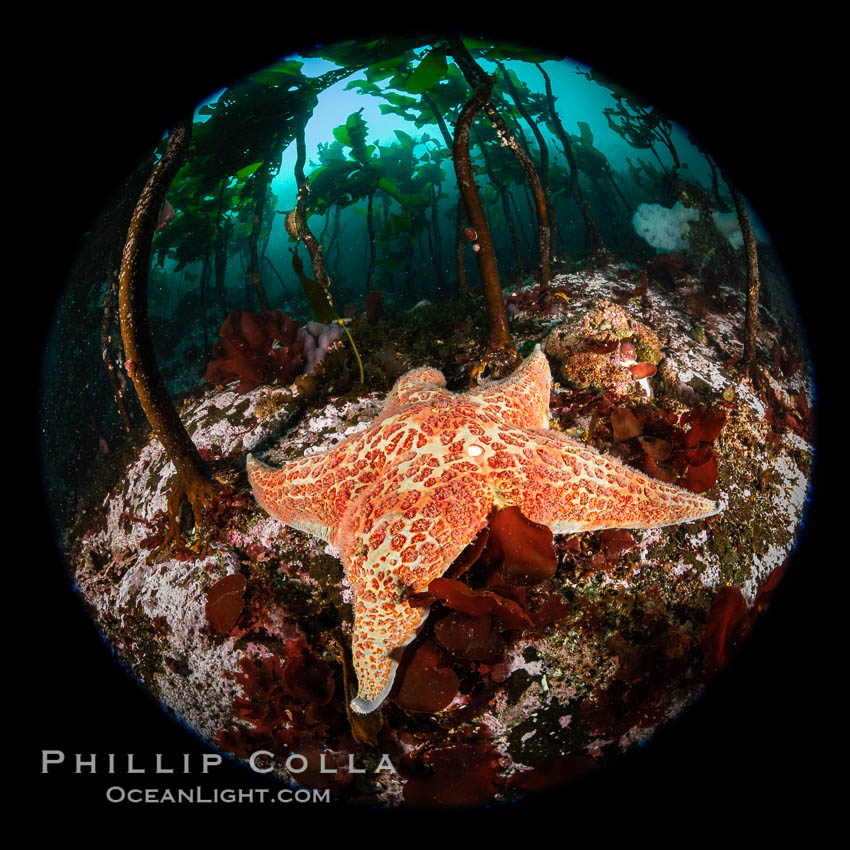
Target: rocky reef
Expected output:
[512,685]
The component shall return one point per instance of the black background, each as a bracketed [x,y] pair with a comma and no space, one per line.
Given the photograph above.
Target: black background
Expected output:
[97,98]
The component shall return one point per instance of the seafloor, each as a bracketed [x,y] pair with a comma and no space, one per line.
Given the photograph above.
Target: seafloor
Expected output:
[626,633]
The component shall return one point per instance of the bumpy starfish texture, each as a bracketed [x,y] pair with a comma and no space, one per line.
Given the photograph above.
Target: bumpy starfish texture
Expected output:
[403,498]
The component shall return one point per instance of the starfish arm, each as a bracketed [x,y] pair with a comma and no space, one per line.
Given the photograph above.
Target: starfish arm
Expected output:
[521,399]
[570,487]
[312,493]
[381,631]
[289,494]
[395,539]
[416,386]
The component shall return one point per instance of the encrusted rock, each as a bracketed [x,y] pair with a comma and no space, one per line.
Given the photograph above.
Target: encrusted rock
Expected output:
[601,350]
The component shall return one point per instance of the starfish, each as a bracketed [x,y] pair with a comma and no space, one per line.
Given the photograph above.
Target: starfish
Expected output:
[403,498]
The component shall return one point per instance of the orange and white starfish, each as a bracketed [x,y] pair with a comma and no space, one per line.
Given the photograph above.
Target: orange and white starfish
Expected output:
[402,499]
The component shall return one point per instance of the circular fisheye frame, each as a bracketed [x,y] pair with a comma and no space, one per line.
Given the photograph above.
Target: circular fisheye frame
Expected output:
[440,422]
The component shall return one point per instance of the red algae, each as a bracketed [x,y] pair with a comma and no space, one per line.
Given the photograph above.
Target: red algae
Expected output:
[424,683]
[257,349]
[225,602]
[725,627]
[470,637]
[286,699]
[460,774]
[522,548]
[551,773]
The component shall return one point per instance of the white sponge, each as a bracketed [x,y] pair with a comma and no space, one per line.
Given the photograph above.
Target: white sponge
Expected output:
[664,228]
[727,224]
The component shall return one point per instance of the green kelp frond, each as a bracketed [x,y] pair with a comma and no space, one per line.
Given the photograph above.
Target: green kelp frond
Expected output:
[320,301]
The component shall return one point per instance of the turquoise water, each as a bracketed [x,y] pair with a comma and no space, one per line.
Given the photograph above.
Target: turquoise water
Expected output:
[578,99]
